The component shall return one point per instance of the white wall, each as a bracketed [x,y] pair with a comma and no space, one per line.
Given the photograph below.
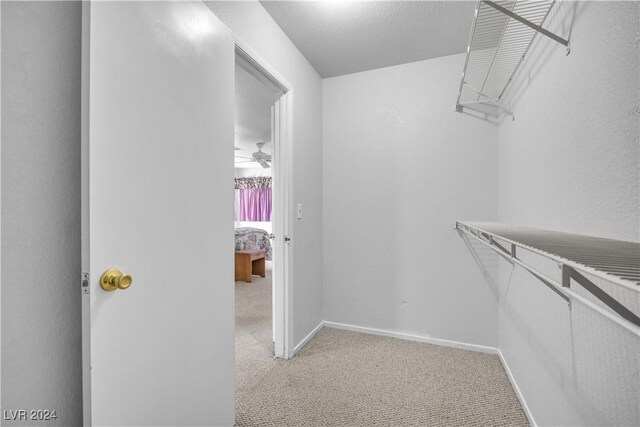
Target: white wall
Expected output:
[249,172]
[251,22]
[400,166]
[41,341]
[570,162]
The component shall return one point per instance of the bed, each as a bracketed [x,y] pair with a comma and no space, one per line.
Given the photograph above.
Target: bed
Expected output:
[249,238]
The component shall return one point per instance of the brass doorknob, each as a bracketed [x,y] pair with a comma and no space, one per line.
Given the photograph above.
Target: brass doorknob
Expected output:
[113,279]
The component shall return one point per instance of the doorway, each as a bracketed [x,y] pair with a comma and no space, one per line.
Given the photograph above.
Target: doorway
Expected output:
[261,211]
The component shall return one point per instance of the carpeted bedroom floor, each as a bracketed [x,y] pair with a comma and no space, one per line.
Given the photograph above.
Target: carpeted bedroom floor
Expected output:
[344,378]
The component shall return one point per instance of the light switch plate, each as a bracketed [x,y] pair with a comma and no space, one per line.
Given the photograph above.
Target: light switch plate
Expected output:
[299,211]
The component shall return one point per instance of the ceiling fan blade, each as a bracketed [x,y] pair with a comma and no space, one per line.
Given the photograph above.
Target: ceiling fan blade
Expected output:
[243,161]
[264,164]
[261,155]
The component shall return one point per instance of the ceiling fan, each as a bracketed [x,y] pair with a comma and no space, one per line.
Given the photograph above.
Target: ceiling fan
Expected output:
[260,157]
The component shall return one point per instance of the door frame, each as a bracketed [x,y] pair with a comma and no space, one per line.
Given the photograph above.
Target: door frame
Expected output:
[282,195]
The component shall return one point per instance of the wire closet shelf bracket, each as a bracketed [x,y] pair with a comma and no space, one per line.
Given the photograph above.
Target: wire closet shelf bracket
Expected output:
[501,35]
[579,258]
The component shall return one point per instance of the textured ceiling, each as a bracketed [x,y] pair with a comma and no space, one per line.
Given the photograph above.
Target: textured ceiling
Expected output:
[252,115]
[342,37]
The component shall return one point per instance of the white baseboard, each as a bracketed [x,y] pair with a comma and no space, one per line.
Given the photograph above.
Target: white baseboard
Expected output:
[306,339]
[411,337]
[523,403]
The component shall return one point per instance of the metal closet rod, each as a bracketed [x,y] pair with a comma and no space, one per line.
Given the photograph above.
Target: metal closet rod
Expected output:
[623,317]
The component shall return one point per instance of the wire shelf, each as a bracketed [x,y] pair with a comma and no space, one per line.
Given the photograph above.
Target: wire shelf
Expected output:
[579,256]
[501,35]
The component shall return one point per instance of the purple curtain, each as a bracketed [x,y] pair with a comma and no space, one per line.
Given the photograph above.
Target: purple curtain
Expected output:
[255,204]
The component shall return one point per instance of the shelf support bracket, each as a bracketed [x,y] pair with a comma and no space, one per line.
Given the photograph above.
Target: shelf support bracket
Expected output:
[528,23]
[503,252]
[487,101]
[569,273]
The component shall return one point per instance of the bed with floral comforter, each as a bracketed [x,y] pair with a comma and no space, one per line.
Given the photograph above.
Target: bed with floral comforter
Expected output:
[256,239]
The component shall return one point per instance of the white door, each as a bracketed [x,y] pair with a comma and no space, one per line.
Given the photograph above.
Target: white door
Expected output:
[157,205]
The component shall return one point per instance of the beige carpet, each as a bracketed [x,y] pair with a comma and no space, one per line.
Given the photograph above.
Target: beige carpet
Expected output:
[254,345]
[349,379]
